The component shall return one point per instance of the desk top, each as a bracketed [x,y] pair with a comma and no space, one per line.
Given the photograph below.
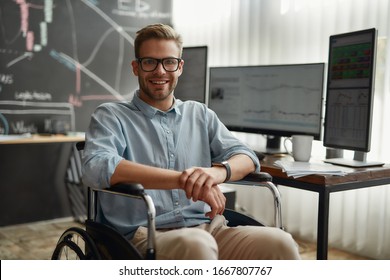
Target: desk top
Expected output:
[34,138]
[353,174]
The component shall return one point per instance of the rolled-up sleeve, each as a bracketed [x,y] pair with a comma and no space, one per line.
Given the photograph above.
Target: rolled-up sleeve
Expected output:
[103,148]
[224,144]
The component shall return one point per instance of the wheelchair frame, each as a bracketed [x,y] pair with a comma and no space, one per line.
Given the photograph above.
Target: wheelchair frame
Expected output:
[99,241]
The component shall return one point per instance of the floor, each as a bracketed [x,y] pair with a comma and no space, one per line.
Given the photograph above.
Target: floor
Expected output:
[36,241]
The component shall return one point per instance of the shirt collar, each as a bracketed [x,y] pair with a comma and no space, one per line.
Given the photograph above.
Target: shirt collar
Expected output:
[151,111]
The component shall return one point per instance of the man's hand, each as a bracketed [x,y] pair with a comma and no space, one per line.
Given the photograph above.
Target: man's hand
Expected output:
[217,201]
[197,181]
[202,184]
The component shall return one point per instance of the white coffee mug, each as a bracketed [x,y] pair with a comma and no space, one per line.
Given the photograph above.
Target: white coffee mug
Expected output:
[301,147]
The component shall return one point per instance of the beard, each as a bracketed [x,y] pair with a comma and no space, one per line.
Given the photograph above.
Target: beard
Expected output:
[157,93]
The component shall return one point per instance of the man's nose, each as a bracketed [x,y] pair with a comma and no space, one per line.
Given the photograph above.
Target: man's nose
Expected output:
[160,68]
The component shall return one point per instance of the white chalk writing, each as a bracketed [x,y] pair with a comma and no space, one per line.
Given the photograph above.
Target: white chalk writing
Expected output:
[21,127]
[6,79]
[28,95]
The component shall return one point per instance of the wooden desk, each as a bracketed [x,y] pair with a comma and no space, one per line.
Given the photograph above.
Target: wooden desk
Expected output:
[324,185]
[32,178]
[34,139]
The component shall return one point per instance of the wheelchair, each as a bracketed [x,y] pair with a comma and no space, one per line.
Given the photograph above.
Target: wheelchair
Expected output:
[97,241]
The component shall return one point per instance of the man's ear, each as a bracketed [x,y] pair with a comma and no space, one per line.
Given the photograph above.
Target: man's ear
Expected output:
[181,66]
[135,66]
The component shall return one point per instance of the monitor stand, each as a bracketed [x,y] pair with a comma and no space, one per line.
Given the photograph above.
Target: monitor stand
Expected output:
[274,145]
[359,160]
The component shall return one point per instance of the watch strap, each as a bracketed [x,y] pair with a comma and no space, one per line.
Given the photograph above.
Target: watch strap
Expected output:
[227,167]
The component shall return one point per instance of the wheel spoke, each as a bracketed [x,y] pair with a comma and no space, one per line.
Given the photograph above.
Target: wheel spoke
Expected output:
[72,245]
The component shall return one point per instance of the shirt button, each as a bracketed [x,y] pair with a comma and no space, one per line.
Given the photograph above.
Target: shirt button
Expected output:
[172,155]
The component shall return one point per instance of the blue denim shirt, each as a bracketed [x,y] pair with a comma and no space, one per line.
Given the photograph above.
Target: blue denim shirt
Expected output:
[187,135]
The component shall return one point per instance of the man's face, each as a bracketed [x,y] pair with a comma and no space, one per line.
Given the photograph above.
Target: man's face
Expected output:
[156,87]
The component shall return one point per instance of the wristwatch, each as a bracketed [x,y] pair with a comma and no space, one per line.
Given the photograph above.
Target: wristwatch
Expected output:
[227,167]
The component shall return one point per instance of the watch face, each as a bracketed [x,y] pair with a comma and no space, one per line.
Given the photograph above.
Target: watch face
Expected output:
[223,163]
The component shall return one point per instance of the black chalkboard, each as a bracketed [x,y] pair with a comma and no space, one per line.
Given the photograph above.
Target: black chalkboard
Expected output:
[59,59]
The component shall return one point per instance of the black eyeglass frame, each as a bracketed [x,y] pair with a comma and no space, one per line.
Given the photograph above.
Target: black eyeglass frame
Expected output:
[159,61]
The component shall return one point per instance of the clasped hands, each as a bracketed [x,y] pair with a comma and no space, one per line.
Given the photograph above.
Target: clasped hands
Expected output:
[202,184]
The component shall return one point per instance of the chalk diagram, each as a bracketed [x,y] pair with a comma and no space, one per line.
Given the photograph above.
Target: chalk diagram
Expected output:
[59,59]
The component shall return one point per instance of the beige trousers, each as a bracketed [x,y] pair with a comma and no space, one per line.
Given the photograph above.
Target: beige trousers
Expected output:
[218,241]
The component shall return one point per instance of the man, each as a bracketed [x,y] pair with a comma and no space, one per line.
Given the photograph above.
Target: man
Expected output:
[175,150]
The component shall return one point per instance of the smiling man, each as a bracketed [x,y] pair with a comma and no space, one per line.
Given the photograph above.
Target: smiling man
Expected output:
[180,152]
[158,77]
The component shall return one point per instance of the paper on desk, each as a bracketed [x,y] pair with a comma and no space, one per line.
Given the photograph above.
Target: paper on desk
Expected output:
[298,169]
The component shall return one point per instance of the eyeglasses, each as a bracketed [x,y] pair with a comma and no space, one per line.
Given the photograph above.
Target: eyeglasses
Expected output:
[149,64]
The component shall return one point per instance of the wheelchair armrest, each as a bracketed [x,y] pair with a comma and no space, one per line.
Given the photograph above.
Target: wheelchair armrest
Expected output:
[257,177]
[128,189]
[135,191]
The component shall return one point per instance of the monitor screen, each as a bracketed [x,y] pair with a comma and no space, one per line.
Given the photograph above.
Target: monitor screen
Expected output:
[276,100]
[192,83]
[349,93]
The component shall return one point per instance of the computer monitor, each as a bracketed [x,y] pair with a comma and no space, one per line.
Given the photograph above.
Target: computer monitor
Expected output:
[274,100]
[349,95]
[192,83]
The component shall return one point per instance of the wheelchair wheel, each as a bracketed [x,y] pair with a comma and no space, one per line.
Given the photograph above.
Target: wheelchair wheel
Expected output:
[75,244]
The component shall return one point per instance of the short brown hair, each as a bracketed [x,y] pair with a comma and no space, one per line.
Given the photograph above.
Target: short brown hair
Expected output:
[157,31]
